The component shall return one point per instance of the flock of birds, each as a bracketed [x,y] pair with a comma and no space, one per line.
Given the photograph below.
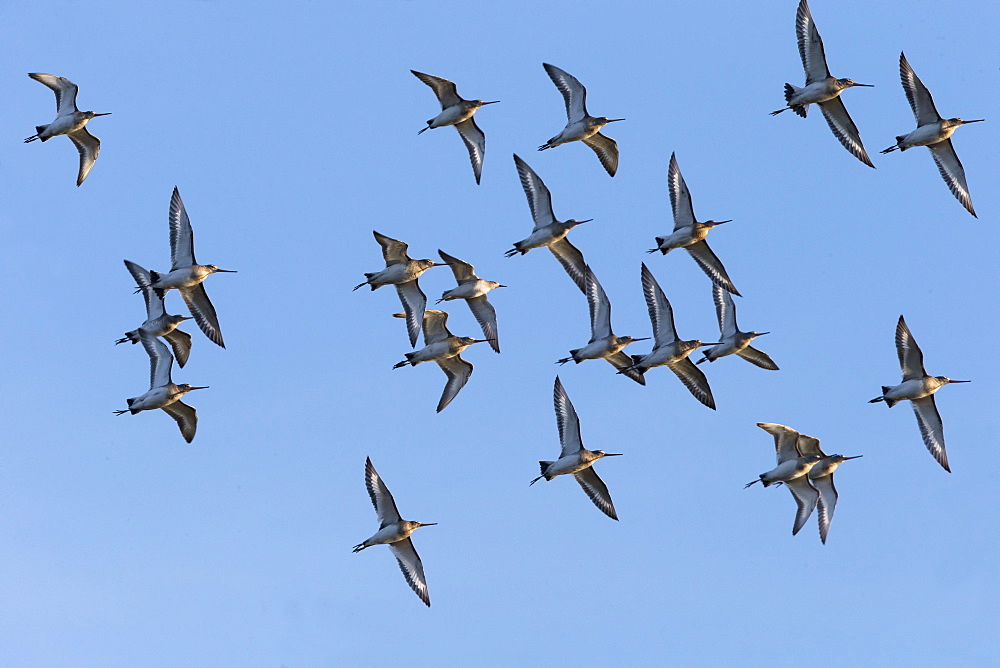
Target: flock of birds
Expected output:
[802,466]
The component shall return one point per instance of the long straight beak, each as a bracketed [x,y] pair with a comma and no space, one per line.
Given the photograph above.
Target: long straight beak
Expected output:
[645,338]
[493,102]
[613,120]
[581,222]
[855,457]
[228,271]
[721,222]
[200,388]
[959,381]
[483,340]
[865,85]
[762,333]
[613,454]
[104,114]
[441,264]
[979,120]
[427,524]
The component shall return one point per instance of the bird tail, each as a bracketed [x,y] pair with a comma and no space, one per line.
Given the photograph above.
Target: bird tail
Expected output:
[132,336]
[544,466]
[888,402]
[39,129]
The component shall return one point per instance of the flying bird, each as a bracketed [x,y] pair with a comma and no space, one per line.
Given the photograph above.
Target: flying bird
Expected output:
[69,121]
[918,388]
[548,231]
[821,477]
[792,470]
[821,88]
[581,126]
[574,458]
[734,342]
[668,349]
[441,346]
[458,112]
[163,392]
[603,343]
[186,275]
[473,290]
[688,233]
[933,132]
[395,532]
[402,271]
[157,322]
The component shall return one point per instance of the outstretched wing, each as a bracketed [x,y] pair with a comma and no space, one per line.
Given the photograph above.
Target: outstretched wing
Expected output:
[89,147]
[917,94]
[711,265]
[185,416]
[573,92]
[660,312]
[844,128]
[810,45]
[445,90]
[606,149]
[931,428]
[181,235]
[952,172]
[539,197]
[911,360]
[385,506]
[413,569]
[694,380]
[204,313]
[596,490]
[475,141]
[458,371]
[64,89]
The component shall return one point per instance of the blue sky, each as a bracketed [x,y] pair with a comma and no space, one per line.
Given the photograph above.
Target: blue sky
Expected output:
[291,132]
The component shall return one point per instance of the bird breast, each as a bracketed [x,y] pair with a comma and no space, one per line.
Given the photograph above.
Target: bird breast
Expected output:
[818,91]
[926,135]
[456,113]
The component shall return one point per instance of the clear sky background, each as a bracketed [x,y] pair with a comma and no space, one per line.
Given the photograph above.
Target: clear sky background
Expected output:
[291,131]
